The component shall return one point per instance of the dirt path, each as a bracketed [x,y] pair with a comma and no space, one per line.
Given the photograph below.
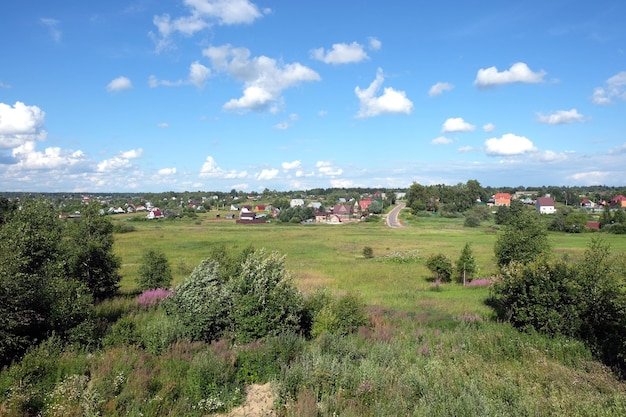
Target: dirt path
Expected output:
[259,403]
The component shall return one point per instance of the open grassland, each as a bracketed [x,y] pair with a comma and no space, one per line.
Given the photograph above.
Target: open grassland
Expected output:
[332,255]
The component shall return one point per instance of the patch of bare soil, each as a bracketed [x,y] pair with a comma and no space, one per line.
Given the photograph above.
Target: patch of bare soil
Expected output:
[259,403]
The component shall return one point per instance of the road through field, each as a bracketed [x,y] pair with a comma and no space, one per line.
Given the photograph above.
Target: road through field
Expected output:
[392,217]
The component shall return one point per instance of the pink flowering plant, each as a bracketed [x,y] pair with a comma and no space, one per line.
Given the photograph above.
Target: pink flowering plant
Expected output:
[153,297]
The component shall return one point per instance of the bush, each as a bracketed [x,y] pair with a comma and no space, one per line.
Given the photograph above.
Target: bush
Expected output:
[440,266]
[154,271]
[471,221]
[343,315]
[368,252]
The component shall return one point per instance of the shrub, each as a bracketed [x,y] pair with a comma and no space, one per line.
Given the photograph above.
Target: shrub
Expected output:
[368,252]
[343,315]
[440,266]
[471,221]
[154,271]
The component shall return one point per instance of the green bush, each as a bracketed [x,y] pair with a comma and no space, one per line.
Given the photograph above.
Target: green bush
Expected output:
[471,221]
[343,315]
[154,271]
[440,266]
[368,252]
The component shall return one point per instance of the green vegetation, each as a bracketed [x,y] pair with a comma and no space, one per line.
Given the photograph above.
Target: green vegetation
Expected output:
[336,332]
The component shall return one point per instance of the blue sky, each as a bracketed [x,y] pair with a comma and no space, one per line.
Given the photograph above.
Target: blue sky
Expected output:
[212,95]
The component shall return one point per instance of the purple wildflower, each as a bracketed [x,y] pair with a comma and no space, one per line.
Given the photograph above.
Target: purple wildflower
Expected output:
[150,298]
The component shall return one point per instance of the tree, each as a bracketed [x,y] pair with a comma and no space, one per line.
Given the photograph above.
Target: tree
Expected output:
[201,304]
[90,252]
[466,264]
[440,266]
[524,238]
[375,207]
[265,302]
[154,271]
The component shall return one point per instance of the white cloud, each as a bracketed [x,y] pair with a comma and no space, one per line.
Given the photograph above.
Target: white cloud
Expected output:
[489,127]
[342,183]
[341,53]
[287,166]
[375,44]
[266,174]
[391,101]
[456,124]
[327,169]
[203,14]
[19,124]
[198,74]
[464,149]
[264,79]
[439,88]
[618,150]
[551,156]
[4,85]
[53,27]
[167,171]
[561,117]
[592,177]
[509,145]
[518,73]
[286,124]
[119,84]
[615,87]
[441,140]
[210,170]
[51,158]
[120,162]
[163,125]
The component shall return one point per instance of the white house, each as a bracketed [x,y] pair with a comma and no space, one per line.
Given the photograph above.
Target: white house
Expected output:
[545,205]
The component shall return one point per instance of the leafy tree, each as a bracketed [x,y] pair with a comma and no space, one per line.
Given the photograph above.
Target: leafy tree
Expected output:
[90,256]
[466,264]
[471,220]
[201,303]
[524,238]
[154,271]
[265,302]
[36,298]
[440,266]
[575,222]
[375,207]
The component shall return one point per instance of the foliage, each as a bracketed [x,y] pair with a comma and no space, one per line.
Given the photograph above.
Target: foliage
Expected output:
[466,264]
[90,252]
[265,302]
[471,221]
[375,207]
[153,297]
[343,315]
[201,303]
[584,299]
[523,240]
[154,271]
[440,266]
[368,252]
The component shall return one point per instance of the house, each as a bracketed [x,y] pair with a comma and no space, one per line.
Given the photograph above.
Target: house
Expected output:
[154,214]
[260,208]
[545,205]
[586,203]
[342,211]
[315,205]
[593,225]
[364,204]
[234,207]
[502,199]
[618,201]
[321,216]
[296,202]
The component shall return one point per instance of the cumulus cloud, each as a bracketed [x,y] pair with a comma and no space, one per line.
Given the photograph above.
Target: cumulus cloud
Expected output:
[119,162]
[53,27]
[167,171]
[19,124]
[210,170]
[518,73]
[509,145]
[441,140]
[439,88]
[614,88]
[391,101]
[202,15]
[561,117]
[264,78]
[266,174]
[456,124]
[119,84]
[51,158]
[375,44]
[198,74]
[341,53]
[592,177]
[326,168]
[286,124]
[489,127]
[287,166]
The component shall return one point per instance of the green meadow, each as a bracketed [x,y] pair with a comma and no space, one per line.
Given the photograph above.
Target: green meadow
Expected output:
[429,349]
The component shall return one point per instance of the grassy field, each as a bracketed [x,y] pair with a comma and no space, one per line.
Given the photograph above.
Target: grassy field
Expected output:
[332,255]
